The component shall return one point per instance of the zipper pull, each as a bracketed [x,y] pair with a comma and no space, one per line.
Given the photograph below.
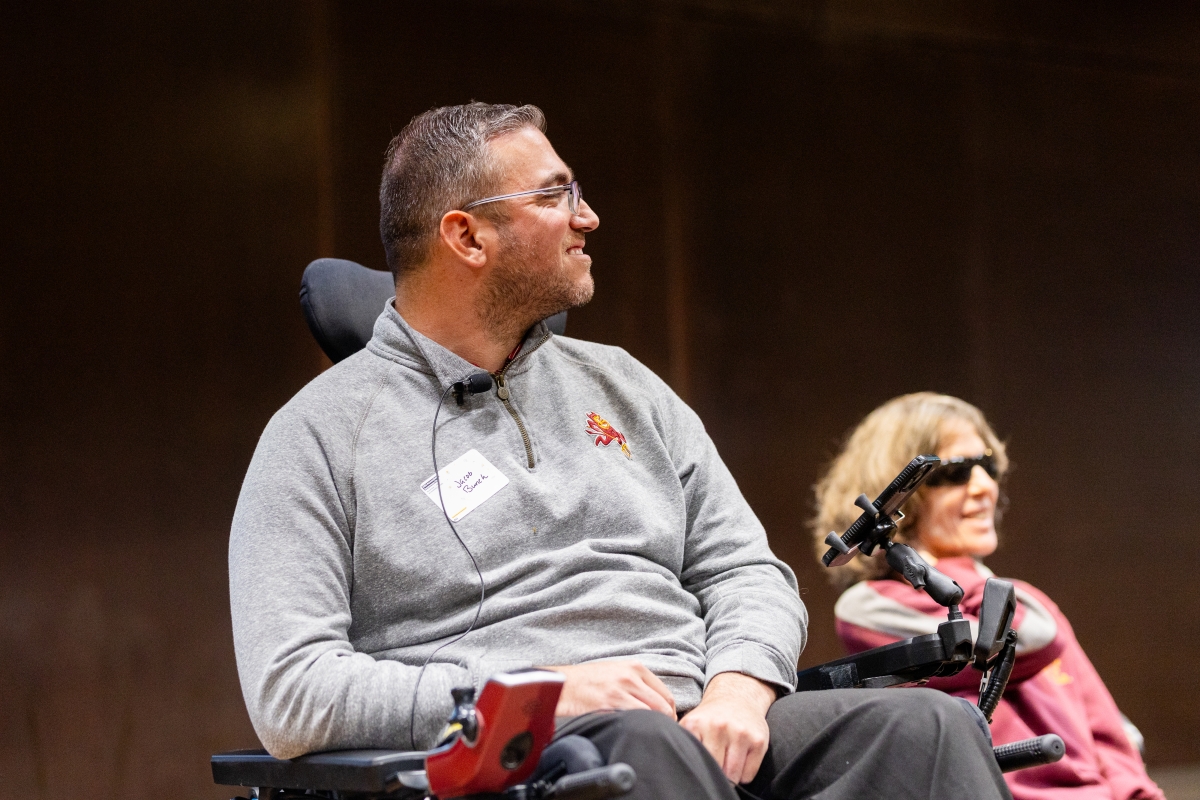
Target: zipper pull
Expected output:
[501,387]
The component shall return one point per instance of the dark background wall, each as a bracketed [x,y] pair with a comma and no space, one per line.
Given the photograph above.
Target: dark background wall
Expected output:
[806,209]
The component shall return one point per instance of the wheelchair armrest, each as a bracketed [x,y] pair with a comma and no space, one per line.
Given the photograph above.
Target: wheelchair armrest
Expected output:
[366,771]
[515,722]
[914,660]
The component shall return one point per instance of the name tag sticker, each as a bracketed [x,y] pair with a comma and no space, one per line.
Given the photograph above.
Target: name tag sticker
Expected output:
[467,482]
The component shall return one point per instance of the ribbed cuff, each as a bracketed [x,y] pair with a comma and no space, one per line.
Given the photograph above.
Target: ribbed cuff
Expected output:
[755,660]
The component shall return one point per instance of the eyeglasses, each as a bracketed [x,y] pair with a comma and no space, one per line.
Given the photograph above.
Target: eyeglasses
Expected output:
[957,471]
[574,195]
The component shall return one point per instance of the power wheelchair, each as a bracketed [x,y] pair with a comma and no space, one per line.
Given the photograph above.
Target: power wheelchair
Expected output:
[500,745]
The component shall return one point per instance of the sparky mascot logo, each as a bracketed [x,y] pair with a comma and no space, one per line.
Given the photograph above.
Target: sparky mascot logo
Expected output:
[606,434]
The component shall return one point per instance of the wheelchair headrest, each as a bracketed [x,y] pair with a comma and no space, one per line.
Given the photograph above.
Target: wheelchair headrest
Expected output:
[342,299]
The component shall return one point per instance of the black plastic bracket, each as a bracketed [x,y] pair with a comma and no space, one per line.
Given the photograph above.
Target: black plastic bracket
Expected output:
[996,613]
[839,676]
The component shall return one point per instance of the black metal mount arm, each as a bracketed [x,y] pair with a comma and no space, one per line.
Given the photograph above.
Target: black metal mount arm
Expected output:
[878,523]
[906,561]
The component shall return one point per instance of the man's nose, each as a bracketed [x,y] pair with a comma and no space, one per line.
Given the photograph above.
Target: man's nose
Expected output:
[586,220]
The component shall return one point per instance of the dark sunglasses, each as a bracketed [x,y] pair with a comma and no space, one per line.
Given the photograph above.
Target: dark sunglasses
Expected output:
[957,471]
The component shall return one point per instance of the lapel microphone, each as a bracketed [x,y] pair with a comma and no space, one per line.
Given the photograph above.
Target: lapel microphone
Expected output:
[475,383]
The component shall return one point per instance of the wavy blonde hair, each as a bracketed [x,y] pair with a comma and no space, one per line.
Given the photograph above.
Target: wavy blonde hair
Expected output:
[882,444]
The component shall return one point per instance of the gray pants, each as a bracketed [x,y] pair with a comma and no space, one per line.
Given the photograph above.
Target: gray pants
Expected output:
[847,744]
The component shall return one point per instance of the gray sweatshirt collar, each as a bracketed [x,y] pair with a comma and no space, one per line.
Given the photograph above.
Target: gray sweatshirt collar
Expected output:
[394,339]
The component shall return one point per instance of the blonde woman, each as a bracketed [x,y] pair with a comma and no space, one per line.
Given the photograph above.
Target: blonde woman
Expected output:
[951,522]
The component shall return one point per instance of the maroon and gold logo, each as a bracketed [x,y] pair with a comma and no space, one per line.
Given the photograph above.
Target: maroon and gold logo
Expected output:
[606,434]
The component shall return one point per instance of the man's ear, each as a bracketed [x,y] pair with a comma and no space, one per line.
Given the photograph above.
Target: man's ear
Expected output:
[470,239]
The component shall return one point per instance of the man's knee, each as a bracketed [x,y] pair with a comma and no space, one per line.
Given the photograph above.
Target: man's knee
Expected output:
[932,707]
[925,714]
[894,713]
[917,742]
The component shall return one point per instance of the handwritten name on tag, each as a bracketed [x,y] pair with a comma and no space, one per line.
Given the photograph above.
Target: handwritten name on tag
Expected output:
[467,482]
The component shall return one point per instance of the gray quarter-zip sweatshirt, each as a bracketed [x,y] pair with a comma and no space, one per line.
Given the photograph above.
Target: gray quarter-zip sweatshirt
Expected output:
[345,576]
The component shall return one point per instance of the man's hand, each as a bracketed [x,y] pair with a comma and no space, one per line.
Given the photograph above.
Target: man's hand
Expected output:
[606,685]
[731,723]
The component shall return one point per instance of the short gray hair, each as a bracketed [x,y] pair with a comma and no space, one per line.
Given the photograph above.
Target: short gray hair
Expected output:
[440,162]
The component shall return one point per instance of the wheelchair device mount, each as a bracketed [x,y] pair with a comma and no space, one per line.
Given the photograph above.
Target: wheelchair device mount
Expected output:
[912,662]
[488,749]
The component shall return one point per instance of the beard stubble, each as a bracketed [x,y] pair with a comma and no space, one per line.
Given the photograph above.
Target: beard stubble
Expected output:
[519,294]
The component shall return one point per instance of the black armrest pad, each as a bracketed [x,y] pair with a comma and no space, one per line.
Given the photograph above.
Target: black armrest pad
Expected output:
[338,770]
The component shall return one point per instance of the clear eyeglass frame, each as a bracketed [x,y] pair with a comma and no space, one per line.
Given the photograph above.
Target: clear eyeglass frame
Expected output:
[574,195]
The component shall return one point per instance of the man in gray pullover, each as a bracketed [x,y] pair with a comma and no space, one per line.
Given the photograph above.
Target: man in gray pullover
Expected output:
[589,507]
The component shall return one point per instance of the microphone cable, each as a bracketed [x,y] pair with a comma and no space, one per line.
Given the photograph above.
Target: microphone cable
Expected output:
[474,383]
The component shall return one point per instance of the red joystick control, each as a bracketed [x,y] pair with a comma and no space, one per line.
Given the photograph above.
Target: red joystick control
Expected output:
[513,721]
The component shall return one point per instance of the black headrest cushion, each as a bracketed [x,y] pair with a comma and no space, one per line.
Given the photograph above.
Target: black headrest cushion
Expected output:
[341,300]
